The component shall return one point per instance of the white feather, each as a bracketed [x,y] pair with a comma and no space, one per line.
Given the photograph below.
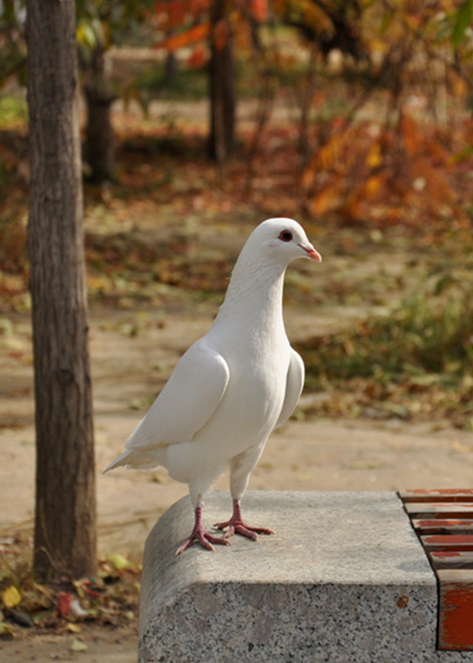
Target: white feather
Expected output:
[294,385]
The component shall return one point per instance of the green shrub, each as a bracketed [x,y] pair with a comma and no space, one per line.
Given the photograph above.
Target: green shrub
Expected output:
[422,336]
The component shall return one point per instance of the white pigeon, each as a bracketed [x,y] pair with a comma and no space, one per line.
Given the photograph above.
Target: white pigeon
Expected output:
[232,387]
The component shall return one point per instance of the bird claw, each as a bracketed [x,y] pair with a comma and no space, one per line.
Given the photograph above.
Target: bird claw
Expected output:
[239,527]
[204,538]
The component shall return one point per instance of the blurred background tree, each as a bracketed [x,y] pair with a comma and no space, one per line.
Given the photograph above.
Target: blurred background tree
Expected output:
[307,49]
[102,24]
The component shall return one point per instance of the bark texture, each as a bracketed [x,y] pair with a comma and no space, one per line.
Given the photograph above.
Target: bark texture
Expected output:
[65,537]
[222,85]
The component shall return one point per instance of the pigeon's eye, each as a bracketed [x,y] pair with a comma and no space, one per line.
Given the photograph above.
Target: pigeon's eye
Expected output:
[286,235]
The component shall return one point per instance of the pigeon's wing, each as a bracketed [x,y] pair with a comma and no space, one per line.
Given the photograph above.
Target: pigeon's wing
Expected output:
[188,400]
[294,384]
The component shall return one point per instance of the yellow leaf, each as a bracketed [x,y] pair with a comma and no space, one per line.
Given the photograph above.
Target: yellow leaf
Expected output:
[304,477]
[372,186]
[11,597]
[78,645]
[374,157]
[119,562]
[73,628]
[85,35]
[6,630]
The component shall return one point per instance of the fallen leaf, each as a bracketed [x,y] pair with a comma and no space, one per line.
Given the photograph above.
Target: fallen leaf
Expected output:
[64,603]
[11,597]
[84,587]
[267,464]
[21,618]
[42,617]
[78,645]
[6,630]
[304,477]
[73,628]
[119,562]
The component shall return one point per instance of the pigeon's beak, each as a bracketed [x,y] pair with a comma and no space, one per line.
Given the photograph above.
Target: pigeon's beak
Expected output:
[311,252]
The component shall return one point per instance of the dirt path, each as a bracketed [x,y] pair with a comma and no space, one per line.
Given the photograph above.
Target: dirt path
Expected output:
[103,645]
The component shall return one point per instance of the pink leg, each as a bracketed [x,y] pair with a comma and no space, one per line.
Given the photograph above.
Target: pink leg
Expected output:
[199,534]
[237,526]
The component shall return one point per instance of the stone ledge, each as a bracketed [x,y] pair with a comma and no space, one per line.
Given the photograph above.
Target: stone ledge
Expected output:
[343,580]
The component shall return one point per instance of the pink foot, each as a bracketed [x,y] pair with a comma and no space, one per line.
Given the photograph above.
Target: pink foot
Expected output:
[237,526]
[200,535]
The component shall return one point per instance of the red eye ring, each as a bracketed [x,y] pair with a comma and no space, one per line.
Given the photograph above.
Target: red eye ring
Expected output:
[285,235]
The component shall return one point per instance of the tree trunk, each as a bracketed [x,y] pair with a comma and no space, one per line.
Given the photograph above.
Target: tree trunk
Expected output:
[65,538]
[222,86]
[99,139]
[171,65]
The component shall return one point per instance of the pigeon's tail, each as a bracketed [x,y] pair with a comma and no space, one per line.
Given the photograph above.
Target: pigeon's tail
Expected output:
[118,462]
[139,459]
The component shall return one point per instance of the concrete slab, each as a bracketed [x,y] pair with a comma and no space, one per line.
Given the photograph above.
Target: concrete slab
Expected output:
[343,580]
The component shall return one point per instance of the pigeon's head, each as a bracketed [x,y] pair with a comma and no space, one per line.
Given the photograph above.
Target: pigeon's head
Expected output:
[285,239]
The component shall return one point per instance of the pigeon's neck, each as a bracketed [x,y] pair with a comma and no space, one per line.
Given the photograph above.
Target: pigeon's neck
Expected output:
[254,296]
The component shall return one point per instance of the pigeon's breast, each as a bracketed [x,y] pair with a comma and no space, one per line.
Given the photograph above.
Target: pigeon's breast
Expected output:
[252,402]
